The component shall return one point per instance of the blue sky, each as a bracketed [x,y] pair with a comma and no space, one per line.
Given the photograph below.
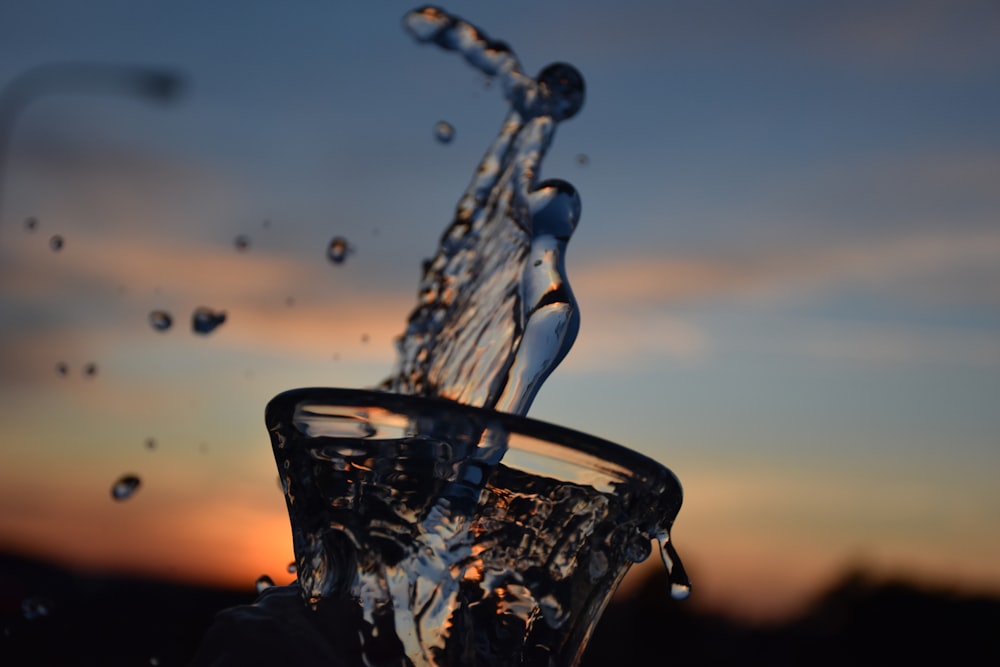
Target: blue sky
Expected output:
[787,266]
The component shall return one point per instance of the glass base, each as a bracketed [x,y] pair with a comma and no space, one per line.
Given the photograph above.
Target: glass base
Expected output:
[454,535]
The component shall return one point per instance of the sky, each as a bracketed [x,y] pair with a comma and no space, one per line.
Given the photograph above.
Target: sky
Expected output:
[787,265]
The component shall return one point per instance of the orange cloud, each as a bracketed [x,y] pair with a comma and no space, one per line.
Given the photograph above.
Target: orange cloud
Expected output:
[646,281]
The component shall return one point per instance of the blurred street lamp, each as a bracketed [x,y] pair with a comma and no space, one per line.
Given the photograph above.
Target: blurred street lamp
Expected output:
[152,84]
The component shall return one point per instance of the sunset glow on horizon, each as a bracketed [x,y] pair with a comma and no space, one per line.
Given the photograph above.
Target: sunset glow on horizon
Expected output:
[788,271]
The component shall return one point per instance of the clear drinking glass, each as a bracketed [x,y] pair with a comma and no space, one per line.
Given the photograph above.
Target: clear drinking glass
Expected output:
[443,534]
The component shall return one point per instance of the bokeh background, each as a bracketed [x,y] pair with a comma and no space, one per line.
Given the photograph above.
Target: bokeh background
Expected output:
[788,267]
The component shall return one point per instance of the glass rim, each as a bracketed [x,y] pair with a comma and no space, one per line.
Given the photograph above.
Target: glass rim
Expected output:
[590,450]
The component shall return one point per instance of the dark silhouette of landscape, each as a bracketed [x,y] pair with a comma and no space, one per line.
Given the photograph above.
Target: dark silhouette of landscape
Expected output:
[85,619]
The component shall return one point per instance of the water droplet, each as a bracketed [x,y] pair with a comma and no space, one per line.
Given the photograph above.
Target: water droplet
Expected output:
[680,585]
[161,320]
[680,591]
[205,320]
[62,368]
[266,224]
[563,88]
[289,301]
[555,208]
[31,224]
[56,243]
[444,132]
[292,568]
[638,548]
[90,370]
[153,660]
[35,607]
[263,583]
[125,487]
[339,250]
[150,443]
[203,447]
[364,338]
[582,159]
[242,243]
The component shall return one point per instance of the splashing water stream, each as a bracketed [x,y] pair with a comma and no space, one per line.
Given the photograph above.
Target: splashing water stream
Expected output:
[495,315]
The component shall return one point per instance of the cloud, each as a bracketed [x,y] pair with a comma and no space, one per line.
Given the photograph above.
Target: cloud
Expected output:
[952,189]
[793,273]
[898,344]
[640,308]
[633,307]
[92,302]
[900,34]
[951,36]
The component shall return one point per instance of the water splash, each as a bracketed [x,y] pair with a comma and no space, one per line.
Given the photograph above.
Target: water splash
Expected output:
[495,312]
[431,526]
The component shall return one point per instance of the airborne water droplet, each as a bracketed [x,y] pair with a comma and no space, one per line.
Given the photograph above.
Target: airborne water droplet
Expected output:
[263,583]
[242,242]
[62,368]
[31,224]
[582,159]
[56,243]
[205,320]
[338,250]
[444,132]
[160,320]
[150,443]
[292,568]
[125,487]
[90,370]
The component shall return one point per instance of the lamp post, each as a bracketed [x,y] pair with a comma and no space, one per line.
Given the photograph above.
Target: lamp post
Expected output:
[153,84]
